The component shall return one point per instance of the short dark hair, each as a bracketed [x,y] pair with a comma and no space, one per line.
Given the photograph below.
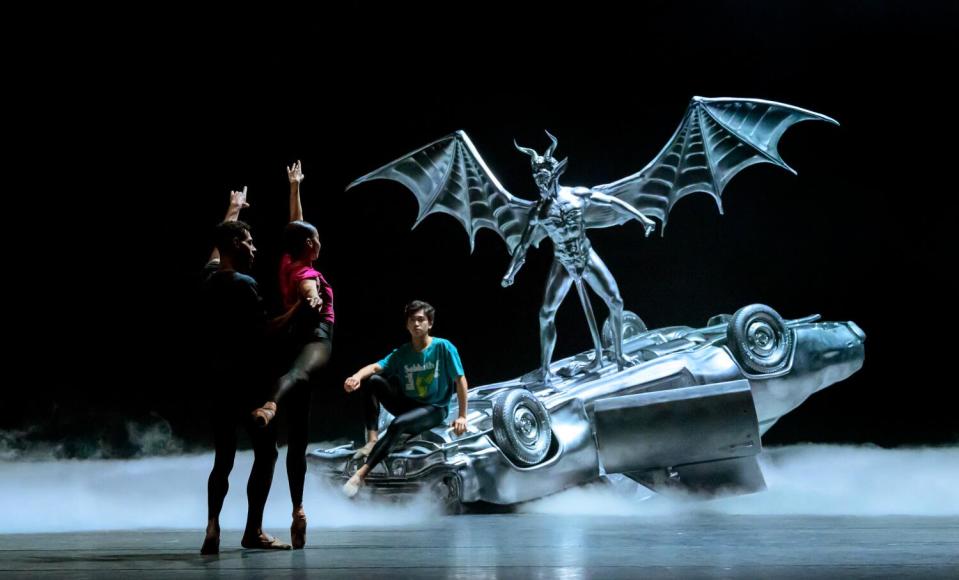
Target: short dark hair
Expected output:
[417,305]
[228,231]
[295,236]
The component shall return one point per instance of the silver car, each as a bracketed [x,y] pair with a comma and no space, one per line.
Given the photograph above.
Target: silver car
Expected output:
[689,416]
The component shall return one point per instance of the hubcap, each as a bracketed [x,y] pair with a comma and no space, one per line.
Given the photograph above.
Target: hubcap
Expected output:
[526,424]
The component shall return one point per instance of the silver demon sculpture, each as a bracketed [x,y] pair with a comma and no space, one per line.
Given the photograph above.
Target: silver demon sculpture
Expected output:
[716,139]
[561,215]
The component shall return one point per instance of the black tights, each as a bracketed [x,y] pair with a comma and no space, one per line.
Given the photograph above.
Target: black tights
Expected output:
[412,417]
[261,476]
[296,385]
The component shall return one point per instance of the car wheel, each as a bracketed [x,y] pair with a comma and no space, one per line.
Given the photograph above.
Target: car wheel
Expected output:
[719,319]
[521,427]
[757,336]
[447,493]
[632,325]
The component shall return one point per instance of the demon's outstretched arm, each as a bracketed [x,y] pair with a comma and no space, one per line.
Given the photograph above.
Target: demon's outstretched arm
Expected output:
[519,253]
[623,208]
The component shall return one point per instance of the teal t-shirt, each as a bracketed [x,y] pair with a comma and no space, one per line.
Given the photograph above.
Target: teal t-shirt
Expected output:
[428,376]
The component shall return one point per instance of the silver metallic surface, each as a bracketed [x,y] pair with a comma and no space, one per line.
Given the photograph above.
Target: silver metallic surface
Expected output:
[688,416]
[675,427]
[716,139]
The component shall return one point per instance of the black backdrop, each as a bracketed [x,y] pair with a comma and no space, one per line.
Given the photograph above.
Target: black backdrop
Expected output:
[153,134]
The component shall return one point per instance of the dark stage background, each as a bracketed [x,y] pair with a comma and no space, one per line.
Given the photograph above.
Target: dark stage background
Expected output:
[157,130]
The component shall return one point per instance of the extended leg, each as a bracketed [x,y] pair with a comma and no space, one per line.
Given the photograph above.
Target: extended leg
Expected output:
[593,328]
[557,285]
[602,282]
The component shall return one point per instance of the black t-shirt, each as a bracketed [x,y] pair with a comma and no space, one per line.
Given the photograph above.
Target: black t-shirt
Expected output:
[234,329]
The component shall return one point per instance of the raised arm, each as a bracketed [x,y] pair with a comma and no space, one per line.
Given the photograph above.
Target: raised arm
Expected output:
[295,173]
[237,203]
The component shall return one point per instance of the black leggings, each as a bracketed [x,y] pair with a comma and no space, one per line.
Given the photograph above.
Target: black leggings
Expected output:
[225,422]
[412,417]
[295,387]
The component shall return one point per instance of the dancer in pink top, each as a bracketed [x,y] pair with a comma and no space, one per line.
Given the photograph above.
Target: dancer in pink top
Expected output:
[311,342]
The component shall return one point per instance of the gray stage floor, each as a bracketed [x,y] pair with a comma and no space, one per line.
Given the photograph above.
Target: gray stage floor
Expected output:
[523,546]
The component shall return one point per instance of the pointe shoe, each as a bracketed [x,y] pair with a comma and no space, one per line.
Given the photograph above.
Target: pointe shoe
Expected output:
[264,414]
[264,542]
[298,529]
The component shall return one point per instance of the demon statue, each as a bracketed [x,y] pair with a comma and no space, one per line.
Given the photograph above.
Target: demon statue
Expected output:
[716,139]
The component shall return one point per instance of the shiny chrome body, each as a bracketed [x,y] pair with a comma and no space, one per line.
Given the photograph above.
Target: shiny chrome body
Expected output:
[688,416]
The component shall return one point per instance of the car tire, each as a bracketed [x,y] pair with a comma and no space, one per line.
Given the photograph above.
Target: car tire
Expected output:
[448,494]
[632,325]
[719,319]
[521,427]
[759,339]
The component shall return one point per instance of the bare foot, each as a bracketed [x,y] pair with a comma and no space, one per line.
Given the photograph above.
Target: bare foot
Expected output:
[538,377]
[626,361]
[211,543]
[352,487]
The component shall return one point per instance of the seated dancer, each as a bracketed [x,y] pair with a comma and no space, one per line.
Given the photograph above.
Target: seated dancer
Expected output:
[309,344]
[235,326]
[415,383]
